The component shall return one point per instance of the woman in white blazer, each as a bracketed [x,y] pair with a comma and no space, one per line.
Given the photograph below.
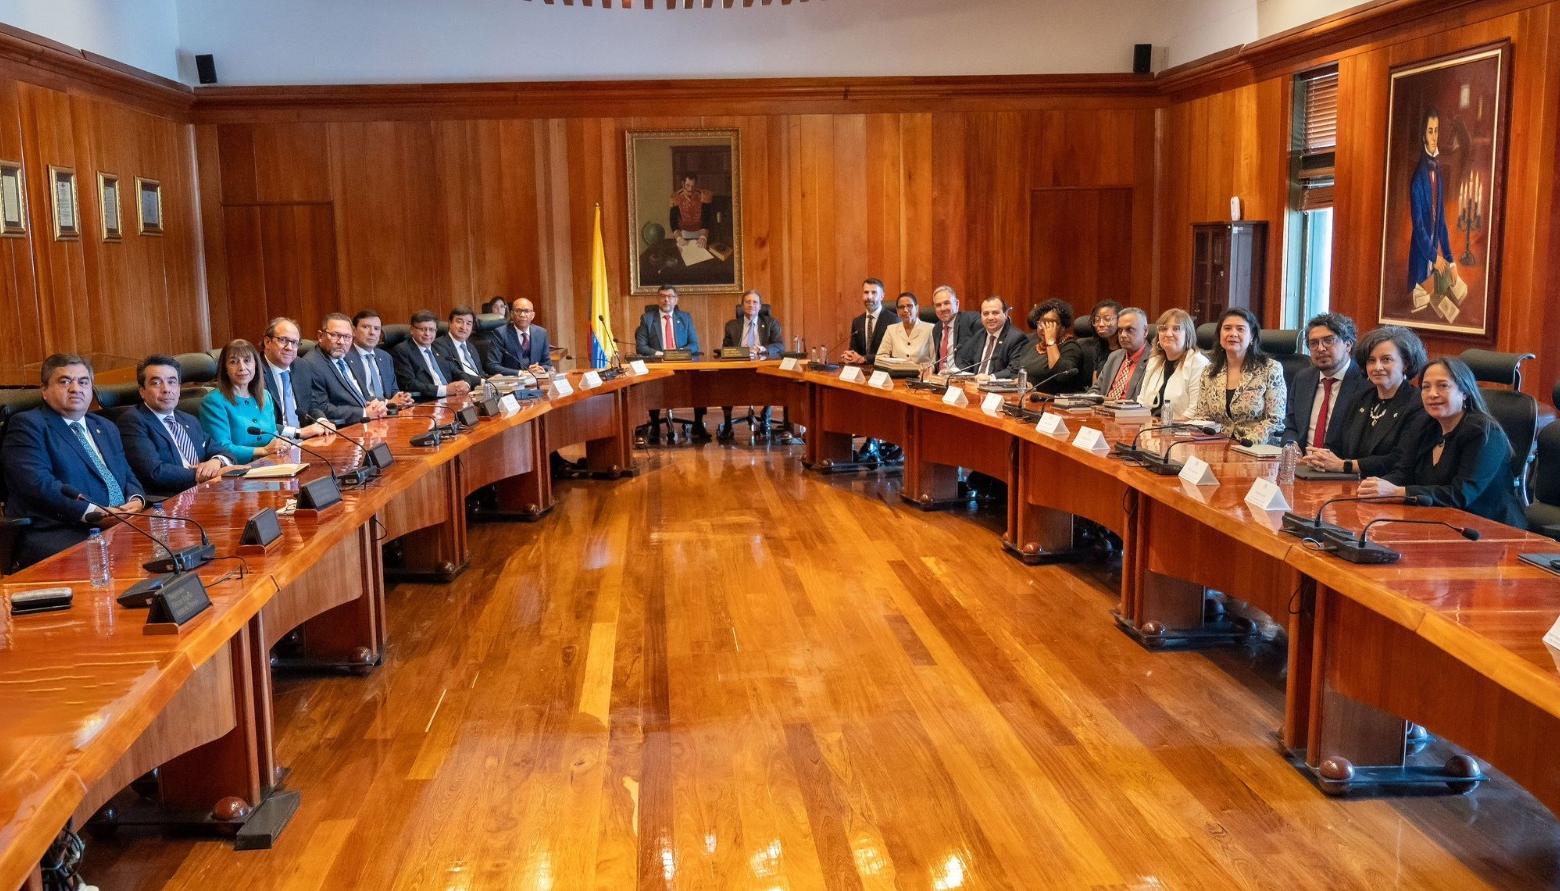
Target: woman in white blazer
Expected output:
[910,341]
[1172,381]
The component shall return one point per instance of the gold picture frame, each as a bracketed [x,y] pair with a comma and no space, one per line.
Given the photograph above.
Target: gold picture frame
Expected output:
[13,200]
[688,235]
[109,204]
[149,208]
[62,199]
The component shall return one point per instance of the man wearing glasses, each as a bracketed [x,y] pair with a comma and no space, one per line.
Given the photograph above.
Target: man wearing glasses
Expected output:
[334,391]
[288,382]
[1332,380]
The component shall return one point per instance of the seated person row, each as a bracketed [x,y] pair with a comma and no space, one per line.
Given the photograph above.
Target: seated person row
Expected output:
[62,464]
[1332,380]
[350,380]
[426,374]
[758,331]
[241,401]
[659,331]
[1242,388]
[456,347]
[1105,319]
[908,341]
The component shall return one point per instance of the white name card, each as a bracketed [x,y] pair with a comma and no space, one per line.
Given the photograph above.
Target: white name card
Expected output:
[590,381]
[851,374]
[955,396]
[992,404]
[789,363]
[1265,495]
[559,386]
[1552,642]
[509,405]
[881,381]
[638,367]
[1091,439]
[1197,472]
[1052,424]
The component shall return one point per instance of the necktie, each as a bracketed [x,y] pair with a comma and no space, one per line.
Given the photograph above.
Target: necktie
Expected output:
[985,357]
[668,336]
[751,340]
[461,350]
[371,372]
[116,495]
[870,319]
[945,351]
[433,366]
[1321,418]
[525,345]
[289,404]
[181,439]
[346,375]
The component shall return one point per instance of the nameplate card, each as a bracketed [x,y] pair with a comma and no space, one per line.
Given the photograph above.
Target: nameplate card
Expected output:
[508,405]
[1052,424]
[880,381]
[1091,439]
[955,396]
[559,386]
[180,599]
[1552,643]
[851,374]
[790,363]
[1264,494]
[992,404]
[590,380]
[1197,472]
[638,367]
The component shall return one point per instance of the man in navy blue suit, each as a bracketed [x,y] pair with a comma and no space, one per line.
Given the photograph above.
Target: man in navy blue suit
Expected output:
[59,445]
[287,380]
[519,346]
[167,448]
[669,329]
[417,366]
[374,368]
[334,391]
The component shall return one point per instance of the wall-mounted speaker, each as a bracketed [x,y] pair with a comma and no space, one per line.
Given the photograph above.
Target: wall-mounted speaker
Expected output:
[206,68]
[1142,58]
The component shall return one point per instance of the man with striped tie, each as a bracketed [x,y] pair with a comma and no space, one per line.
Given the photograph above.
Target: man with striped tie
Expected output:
[62,463]
[455,346]
[167,448]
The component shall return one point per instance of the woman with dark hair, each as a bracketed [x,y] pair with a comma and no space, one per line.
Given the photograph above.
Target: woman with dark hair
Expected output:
[1097,346]
[1371,432]
[1052,351]
[1242,388]
[498,306]
[240,401]
[1459,456]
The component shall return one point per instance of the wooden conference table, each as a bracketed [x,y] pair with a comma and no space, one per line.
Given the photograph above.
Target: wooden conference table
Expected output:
[1448,638]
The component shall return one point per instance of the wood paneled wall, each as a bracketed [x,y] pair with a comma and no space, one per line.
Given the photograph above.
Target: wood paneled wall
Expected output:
[111,301]
[404,214]
[1229,136]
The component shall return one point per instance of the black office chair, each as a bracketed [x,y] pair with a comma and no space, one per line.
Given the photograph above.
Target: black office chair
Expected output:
[305,346]
[12,402]
[1283,344]
[198,368]
[1516,411]
[190,398]
[1543,515]
[115,399]
[392,336]
[1207,336]
[1083,326]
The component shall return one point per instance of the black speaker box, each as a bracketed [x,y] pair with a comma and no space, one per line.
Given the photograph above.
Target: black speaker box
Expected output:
[206,68]
[1142,58]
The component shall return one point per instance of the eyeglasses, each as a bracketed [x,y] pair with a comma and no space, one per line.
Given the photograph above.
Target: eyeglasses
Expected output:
[286,341]
[1323,343]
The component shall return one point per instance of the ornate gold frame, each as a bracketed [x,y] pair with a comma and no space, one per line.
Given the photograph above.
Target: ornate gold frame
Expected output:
[116,232]
[17,228]
[68,176]
[141,185]
[631,141]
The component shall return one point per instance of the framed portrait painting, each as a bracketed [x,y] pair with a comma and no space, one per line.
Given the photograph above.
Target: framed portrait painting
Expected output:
[1446,144]
[684,210]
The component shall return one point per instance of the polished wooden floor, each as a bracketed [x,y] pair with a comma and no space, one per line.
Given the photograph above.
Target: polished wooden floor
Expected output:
[727,673]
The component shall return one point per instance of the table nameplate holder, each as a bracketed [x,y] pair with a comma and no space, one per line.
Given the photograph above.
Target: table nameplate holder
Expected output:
[955,396]
[508,405]
[790,363]
[1052,424]
[1197,472]
[1552,643]
[880,380]
[1265,495]
[636,368]
[1092,439]
[677,356]
[992,404]
[736,352]
[590,380]
[317,495]
[559,387]
[851,374]
[262,534]
[180,599]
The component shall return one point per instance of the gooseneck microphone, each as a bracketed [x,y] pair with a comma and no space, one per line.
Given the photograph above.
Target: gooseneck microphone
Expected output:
[1467,532]
[350,478]
[1303,526]
[1064,374]
[181,560]
[1359,549]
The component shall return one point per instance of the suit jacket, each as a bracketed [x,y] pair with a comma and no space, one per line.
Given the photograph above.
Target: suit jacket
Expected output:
[1256,412]
[504,355]
[299,375]
[966,324]
[329,395]
[1376,445]
[1010,345]
[1113,365]
[152,453]
[858,332]
[444,346]
[1474,473]
[769,335]
[412,371]
[1181,392]
[915,346]
[648,336]
[41,456]
[1037,365]
[1302,394]
[389,385]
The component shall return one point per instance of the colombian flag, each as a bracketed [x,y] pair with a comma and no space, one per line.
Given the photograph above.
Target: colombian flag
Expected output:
[602,344]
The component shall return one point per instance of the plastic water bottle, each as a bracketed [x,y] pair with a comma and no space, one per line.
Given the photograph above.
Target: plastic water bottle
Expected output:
[158,524]
[1023,384]
[97,559]
[1286,464]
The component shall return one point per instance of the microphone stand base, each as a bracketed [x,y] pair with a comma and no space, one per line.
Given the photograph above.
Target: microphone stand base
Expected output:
[1305,527]
[1353,551]
[183,560]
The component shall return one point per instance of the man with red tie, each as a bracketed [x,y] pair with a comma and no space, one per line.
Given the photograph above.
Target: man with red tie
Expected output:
[1332,380]
[660,330]
[951,329]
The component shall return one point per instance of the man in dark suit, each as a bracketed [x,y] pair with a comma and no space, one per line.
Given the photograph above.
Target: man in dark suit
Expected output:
[167,448]
[996,346]
[519,346]
[867,329]
[420,369]
[457,349]
[758,331]
[374,368]
[668,329]
[334,391]
[952,328]
[59,445]
[1331,380]
[287,381]
[1122,375]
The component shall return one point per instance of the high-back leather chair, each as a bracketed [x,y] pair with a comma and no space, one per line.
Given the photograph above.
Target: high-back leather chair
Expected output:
[1207,336]
[1543,515]
[198,368]
[1517,412]
[1283,344]
[115,399]
[392,336]
[13,402]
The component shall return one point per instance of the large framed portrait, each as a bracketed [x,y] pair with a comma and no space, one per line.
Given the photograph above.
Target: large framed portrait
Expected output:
[684,210]
[1446,145]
